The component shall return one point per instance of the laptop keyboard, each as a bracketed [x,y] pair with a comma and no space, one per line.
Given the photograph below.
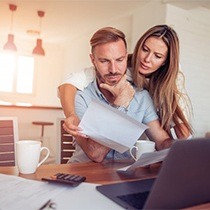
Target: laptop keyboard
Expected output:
[136,200]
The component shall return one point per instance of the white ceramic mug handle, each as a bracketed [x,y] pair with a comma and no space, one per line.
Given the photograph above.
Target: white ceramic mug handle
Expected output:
[45,158]
[131,152]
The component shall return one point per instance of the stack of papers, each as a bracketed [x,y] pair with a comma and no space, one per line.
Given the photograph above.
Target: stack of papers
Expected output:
[110,127]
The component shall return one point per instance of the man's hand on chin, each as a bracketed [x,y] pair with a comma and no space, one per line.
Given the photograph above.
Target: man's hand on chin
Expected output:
[122,92]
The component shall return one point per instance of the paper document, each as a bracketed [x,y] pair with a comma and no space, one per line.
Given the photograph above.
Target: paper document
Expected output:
[24,194]
[110,127]
[17,193]
[146,159]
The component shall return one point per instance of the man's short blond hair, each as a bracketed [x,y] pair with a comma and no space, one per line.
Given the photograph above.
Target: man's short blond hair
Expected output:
[106,35]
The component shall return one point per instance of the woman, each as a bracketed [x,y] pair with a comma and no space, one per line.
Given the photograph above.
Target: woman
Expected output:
[155,66]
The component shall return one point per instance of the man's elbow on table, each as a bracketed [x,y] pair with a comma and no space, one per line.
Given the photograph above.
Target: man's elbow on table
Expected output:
[96,158]
[95,151]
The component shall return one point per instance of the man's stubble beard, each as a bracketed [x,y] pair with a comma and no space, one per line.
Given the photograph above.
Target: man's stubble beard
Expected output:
[100,79]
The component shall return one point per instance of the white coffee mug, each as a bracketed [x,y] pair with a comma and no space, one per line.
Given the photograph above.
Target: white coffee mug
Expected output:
[140,147]
[28,155]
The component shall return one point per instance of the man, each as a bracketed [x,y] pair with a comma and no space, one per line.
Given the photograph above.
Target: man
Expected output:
[109,57]
[78,81]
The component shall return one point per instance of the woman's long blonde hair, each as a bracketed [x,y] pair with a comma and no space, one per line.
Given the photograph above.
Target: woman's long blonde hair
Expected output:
[162,84]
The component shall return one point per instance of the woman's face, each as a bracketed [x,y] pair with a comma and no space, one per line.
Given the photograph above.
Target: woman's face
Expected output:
[152,55]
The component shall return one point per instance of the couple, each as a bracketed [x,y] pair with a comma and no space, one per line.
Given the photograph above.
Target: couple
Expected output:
[154,67]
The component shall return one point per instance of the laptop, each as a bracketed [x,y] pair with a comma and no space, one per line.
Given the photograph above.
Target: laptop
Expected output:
[183,180]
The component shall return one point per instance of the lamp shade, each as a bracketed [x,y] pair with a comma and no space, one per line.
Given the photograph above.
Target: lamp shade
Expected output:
[38,50]
[10,43]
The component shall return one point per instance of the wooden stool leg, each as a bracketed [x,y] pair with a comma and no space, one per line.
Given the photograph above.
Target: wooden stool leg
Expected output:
[42,132]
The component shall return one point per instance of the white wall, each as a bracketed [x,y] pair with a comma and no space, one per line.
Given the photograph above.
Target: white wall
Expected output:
[153,13]
[193,28]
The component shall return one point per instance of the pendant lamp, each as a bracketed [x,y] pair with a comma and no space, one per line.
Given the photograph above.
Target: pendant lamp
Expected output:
[10,45]
[38,50]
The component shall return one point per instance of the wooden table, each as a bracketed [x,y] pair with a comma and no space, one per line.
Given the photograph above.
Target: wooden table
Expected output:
[98,173]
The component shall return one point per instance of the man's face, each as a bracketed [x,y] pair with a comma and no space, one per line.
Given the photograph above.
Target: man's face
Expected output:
[110,61]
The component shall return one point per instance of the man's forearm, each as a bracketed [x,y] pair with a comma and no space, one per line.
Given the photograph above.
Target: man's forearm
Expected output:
[67,98]
[95,151]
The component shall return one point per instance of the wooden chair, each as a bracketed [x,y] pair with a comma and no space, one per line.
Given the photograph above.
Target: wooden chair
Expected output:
[8,137]
[65,147]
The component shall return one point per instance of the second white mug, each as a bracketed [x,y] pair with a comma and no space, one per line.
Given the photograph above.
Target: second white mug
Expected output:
[28,155]
[140,147]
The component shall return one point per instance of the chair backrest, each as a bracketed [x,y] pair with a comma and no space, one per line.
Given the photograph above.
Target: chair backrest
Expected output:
[8,137]
[65,147]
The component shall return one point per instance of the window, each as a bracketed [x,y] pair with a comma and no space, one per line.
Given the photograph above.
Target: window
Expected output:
[16,73]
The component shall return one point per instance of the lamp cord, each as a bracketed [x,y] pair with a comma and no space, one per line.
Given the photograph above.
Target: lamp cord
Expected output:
[11,25]
[40,27]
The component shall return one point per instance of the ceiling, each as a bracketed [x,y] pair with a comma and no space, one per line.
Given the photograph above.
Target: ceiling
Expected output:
[70,18]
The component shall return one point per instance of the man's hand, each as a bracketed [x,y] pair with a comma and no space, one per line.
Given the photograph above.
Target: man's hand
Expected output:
[70,125]
[122,92]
